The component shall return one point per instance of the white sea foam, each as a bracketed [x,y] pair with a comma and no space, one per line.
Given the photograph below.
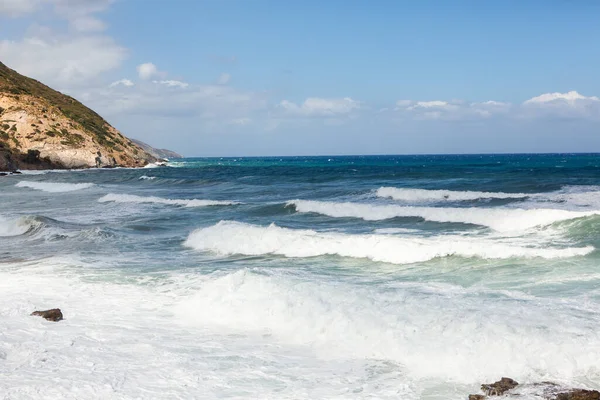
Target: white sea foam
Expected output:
[130,198]
[147,178]
[499,219]
[444,333]
[251,334]
[229,237]
[424,195]
[54,187]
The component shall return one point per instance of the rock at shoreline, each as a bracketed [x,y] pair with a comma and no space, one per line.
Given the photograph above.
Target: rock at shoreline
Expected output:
[542,390]
[476,397]
[579,394]
[54,314]
[498,388]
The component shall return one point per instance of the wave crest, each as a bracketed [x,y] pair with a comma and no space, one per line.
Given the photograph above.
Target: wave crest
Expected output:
[424,195]
[54,187]
[18,226]
[130,198]
[229,237]
[499,219]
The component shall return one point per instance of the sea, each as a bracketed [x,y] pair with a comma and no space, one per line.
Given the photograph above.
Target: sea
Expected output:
[354,277]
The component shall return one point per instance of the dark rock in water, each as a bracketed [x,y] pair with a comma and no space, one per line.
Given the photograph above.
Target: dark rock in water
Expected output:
[476,397]
[539,390]
[51,315]
[579,394]
[3,174]
[17,172]
[498,388]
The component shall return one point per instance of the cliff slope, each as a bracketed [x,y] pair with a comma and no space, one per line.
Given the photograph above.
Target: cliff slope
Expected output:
[158,153]
[43,128]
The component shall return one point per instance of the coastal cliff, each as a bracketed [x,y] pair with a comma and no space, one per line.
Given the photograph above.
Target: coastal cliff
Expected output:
[158,153]
[43,128]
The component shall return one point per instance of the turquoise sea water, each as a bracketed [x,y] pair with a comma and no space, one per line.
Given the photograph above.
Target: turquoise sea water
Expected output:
[367,277]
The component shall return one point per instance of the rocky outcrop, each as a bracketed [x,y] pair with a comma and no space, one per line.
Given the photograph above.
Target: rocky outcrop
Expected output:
[43,128]
[500,387]
[54,314]
[579,394]
[509,389]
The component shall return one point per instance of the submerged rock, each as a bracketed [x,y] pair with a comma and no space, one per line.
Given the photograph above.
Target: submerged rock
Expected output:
[51,315]
[498,388]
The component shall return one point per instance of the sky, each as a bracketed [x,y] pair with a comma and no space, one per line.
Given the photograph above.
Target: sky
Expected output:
[314,77]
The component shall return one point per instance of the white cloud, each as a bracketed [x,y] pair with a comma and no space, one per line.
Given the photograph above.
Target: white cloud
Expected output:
[172,83]
[315,106]
[62,59]
[77,12]
[123,82]
[224,79]
[569,105]
[214,104]
[147,71]
[87,24]
[435,104]
[14,8]
[240,121]
[450,110]
[571,98]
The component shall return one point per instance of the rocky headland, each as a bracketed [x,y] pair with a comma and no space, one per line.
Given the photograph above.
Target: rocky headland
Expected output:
[41,128]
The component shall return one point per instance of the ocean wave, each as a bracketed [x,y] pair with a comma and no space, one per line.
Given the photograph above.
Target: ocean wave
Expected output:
[499,219]
[229,237]
[130,198]
[18,226]
[54,187]
[147,178]
[424,195]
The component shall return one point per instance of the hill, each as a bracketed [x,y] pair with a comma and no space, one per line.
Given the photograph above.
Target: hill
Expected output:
[158,153]
[43,128]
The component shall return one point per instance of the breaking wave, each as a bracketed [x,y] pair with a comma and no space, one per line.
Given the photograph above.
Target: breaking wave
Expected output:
[229,238]
[130,198]
[54,187]
[423,195]
[499,219]
[18,226]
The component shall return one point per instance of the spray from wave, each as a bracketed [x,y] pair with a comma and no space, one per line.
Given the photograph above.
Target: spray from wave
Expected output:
[130,198]
[499,219]
[54,187]
[228,238]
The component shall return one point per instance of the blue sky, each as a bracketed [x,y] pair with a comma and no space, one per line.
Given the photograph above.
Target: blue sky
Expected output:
[258,77]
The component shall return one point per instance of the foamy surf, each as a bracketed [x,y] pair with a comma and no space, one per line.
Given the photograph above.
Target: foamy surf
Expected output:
[54,187]
[499,219]
[130,198]
[229,238]
[424,195]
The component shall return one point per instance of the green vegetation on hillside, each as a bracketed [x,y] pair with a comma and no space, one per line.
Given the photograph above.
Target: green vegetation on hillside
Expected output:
[14,83]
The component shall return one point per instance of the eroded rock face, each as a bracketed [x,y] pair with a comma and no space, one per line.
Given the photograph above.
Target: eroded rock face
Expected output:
[54,314]
[498,388]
